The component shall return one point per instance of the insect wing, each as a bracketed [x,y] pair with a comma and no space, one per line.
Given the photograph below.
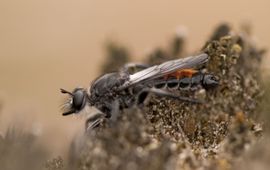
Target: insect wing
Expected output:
[166,68]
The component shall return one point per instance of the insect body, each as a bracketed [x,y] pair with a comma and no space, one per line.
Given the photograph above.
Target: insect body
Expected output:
[113,92]
[187,79]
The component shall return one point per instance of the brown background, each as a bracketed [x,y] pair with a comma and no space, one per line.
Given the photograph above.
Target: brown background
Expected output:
[48,44]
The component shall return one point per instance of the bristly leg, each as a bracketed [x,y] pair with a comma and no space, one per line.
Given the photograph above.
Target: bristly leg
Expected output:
[162,93]
[93,121]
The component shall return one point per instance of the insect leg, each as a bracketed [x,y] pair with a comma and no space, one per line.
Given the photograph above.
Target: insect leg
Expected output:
[109,112]
[162,93]
[115,111]
[93,121]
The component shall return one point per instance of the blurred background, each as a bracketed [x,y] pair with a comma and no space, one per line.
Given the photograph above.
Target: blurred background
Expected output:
[50,44]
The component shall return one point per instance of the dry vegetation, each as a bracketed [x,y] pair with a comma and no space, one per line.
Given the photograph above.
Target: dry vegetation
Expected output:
[223,133]
[169,134]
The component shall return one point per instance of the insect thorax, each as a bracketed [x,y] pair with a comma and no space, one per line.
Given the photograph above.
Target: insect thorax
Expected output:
[105,87]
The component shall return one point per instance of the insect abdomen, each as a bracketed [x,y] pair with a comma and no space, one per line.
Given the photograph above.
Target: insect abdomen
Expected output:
[184,83]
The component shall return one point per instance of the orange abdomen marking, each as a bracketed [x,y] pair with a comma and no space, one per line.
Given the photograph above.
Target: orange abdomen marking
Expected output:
[181,73]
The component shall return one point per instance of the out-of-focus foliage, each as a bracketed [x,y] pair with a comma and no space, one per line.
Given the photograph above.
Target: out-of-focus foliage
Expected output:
[54,164]
[117,56]
[20,150]
[175,50]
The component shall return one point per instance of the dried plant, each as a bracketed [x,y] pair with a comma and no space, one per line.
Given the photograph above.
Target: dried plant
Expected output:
[20,150]
[169,134]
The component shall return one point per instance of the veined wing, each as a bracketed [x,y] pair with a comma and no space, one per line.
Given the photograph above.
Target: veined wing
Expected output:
[165,68]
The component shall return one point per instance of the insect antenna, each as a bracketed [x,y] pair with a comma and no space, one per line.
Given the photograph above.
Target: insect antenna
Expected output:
[66,92]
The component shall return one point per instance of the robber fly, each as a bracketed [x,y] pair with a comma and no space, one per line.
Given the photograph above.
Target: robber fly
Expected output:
[120,90]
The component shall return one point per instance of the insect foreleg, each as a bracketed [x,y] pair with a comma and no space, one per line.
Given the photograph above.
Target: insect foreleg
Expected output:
[108,111]
[94,121]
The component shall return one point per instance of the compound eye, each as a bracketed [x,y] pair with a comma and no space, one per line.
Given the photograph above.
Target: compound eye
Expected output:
[78,99]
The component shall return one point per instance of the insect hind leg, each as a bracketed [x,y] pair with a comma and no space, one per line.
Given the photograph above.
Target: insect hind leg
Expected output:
[162,93]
